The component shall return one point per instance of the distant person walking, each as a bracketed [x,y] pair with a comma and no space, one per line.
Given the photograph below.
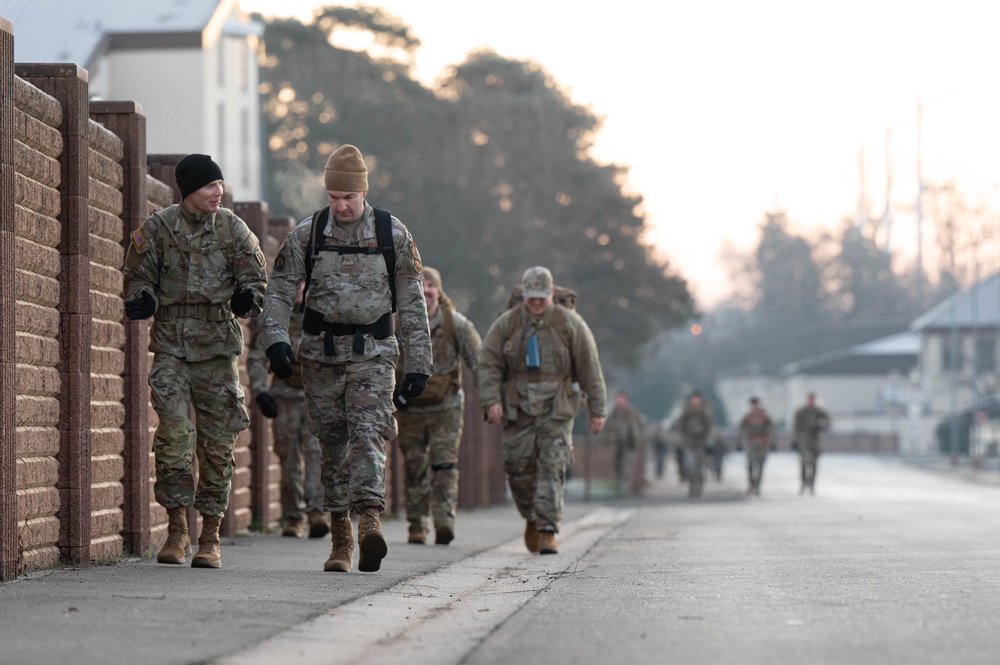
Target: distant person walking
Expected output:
[695,428]
[625,431]
[756,436]
[810,422]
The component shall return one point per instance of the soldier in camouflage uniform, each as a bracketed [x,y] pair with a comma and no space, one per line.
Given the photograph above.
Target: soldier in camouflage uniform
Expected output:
[194,267]
[295,445]
[538,367]
[695,427]
[625,431]
[756,432]
[349,350]
[430,426]
[810,422]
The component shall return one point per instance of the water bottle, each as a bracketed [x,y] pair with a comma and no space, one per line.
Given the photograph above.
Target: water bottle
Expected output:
[532,360]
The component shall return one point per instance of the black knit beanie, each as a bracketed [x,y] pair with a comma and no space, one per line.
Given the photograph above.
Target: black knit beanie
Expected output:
[194,172]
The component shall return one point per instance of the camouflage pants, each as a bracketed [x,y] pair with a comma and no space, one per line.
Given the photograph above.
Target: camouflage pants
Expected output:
[298,450]
[756,455]
[624,463]
[429,442]
[350,412]
[213,388]
[694,464]
[536,459]
[808,454]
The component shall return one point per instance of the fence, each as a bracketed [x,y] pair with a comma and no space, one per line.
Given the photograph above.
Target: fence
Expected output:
[76,469]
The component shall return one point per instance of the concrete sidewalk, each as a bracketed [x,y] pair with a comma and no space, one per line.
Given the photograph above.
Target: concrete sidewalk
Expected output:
[141,611]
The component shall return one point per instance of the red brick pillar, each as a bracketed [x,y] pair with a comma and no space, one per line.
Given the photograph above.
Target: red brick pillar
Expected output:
[256,217]
[69,84]
[126,120]
[8,448]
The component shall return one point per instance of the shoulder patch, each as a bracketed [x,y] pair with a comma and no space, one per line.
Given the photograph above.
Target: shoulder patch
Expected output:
[139,241]
[279,262]
[417,264]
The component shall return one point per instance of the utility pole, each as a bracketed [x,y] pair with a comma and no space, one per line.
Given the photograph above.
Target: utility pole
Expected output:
[887,213]
[919,207]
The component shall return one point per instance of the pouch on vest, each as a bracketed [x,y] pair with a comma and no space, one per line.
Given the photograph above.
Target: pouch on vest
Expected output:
[439,388]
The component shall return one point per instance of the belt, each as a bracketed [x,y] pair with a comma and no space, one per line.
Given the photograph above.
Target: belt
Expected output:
[313,323]
[216,312]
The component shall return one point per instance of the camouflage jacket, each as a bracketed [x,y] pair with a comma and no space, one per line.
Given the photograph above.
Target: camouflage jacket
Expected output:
[810,421]
[570,373]
[756,427]
[351,289]
[261,380]
[191,264]
[695,424]
[444,388]
[625,427]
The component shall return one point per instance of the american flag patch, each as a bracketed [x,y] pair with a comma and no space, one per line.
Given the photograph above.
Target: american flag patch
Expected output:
[137,238]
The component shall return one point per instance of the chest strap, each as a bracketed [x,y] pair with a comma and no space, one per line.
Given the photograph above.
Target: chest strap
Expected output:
[313,323]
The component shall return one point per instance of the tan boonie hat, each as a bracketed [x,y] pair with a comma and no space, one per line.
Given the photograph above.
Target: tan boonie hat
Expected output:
[346,171]
[537,282]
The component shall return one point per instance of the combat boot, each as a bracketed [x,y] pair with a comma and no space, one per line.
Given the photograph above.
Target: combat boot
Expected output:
[342,536]
[547,542]
[443,534]
[370,541]
[209,555]
[531,535]
[178,543]
[319,524]
[417,535]
[294,527]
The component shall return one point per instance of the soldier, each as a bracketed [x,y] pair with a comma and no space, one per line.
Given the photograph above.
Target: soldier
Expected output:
[430,426]
[194,267]
[661,448]
[756,431]
[295,445]
[810,422]
[625,431]
[538,367]
[695,427]
[359,264]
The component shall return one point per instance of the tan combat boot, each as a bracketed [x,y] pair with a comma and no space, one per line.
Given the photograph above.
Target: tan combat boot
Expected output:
[319,524]
[531,536]
[209,555]
[178,543]
[370,541]
[294,527]
[547,542]
[342,535]
[417,535]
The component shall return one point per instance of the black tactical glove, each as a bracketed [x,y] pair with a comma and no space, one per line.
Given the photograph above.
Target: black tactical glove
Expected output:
[413,385]
[267,405]
[141,307]
[241,302]
[281,357]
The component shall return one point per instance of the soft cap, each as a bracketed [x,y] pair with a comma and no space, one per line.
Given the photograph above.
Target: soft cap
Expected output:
[346,171]
[195,171]
[537,282]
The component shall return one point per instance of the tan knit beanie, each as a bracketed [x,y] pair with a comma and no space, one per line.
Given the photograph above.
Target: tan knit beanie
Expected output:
[346,171]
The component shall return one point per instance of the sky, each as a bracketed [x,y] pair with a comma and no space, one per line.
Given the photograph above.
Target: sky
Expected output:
[725,110]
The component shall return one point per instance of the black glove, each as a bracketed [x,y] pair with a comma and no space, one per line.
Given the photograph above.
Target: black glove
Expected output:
[413,385]
[281,357]
[141,307]
[241,302]
[267,405]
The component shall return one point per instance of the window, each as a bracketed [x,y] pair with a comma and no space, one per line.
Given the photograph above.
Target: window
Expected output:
[986,354]
[245,146]
[951,353]
[220,51]
[222,130]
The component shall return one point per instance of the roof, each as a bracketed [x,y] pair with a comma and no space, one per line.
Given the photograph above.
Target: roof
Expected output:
[893,353]
[79,31]
[976,307]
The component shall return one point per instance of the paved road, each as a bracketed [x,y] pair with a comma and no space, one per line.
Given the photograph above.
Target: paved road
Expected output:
[888,563]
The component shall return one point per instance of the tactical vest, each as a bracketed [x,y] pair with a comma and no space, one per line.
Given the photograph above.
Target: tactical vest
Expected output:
[516,333]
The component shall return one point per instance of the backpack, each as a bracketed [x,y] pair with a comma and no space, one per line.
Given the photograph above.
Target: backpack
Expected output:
[384,246]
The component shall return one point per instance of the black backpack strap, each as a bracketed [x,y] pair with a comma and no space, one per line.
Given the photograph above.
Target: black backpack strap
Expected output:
[313,249]
[383,236]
